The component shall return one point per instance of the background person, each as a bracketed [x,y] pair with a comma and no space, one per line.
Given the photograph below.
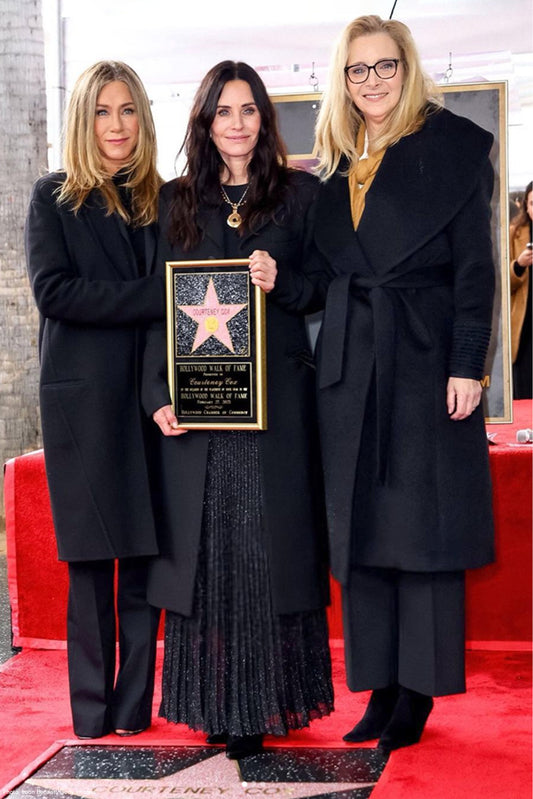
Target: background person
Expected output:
[402,237]
[243,568]
[89,241]
[520,239]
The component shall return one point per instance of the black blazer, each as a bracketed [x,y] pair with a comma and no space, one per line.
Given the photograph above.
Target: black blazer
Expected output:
[290,464]
[93,304]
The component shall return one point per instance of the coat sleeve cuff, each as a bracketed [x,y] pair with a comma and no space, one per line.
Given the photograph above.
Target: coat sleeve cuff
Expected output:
[469,350]
[518,270]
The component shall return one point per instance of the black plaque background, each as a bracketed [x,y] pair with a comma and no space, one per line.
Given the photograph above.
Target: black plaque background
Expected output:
[213,387]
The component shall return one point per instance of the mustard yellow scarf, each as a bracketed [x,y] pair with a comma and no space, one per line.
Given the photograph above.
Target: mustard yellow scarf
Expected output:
[361,176]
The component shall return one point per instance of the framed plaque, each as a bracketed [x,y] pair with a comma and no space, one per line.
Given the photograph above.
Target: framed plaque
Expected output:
[216,345]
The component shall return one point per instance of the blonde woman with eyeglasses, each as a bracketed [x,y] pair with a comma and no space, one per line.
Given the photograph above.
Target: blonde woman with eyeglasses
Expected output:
[403,243]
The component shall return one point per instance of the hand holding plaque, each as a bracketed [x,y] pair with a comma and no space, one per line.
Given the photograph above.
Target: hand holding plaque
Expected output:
[216,345]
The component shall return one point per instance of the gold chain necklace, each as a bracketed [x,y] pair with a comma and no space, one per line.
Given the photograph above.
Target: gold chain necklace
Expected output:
[234,219]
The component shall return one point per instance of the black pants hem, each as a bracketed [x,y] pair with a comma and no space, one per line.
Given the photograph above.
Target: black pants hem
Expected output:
[100,700]
[406,628]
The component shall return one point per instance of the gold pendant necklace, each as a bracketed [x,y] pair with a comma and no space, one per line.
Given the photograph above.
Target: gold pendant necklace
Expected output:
[234,219]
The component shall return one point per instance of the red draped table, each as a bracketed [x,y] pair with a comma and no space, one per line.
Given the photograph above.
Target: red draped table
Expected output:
[498,596]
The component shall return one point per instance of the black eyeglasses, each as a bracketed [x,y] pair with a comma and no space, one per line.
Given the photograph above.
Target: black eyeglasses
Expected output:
[385,68]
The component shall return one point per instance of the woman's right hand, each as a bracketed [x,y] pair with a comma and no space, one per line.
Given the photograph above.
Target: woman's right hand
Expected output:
[263,270]
[166,420]
[525,258]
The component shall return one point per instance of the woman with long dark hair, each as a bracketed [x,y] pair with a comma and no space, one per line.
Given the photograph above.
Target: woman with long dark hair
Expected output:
[243,567]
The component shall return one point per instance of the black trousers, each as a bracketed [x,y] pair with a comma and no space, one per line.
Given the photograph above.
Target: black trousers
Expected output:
[406,628]
[104,699]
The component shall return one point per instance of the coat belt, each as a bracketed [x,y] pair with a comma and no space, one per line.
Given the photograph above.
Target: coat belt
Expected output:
[382,303]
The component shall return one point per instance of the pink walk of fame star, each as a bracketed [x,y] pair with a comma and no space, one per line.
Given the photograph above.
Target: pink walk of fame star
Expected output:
[212,318]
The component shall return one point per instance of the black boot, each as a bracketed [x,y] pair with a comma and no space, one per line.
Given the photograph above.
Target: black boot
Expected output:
[408,720]
[377,715]
[236,748]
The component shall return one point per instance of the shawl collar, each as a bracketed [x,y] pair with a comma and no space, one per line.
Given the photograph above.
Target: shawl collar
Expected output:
[413,196]
[415,193]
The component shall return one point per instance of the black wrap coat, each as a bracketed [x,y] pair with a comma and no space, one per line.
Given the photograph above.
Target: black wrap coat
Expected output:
[409,303]
[93,304]
[295,530]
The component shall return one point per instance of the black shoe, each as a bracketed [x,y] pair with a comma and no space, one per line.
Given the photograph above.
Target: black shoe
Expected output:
[217,738]
[127,733]
[92,737]
[236,748]
[377,715]
[407,722]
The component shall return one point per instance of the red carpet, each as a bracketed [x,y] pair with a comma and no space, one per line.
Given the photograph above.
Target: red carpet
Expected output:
[476,746]
[498,596]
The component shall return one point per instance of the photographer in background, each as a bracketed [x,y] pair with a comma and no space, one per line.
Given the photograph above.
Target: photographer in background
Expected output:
[521,255]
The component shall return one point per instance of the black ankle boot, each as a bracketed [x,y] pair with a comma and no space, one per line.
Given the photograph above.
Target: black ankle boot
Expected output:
[236,748]
[377,715]
[408,720]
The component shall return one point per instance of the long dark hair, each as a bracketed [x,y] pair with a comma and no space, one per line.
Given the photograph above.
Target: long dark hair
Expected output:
[200,182]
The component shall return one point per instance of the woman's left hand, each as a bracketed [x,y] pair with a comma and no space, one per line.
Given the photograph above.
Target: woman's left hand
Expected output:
[463,395]
[263,270]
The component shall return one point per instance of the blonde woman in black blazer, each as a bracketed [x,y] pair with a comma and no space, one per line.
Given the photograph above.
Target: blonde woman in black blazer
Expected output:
[90,241]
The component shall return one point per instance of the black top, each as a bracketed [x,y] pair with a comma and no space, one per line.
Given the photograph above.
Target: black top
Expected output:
[231,234]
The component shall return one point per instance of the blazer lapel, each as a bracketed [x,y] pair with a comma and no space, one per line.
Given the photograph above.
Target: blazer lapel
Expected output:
[112,239]
[334,221]
[247,243]
[150,242]
[335,234]
[209,223]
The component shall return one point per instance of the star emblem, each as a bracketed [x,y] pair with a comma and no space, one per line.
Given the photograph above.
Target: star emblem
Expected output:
[214,776]
[212,318]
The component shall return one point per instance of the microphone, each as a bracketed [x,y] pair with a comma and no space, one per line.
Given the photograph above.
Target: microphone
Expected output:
[524,436]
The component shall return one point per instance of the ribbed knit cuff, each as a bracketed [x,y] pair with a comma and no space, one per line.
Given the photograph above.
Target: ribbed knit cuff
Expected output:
[469,350]
[518,270]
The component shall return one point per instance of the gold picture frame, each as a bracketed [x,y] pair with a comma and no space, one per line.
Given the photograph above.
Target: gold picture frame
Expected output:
[216,345]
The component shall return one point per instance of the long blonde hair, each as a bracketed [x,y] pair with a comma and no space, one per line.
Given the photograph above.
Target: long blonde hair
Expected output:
[339,120]
[82,160]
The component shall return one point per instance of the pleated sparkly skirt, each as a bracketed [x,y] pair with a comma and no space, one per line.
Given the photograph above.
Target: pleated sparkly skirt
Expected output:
[234,666]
